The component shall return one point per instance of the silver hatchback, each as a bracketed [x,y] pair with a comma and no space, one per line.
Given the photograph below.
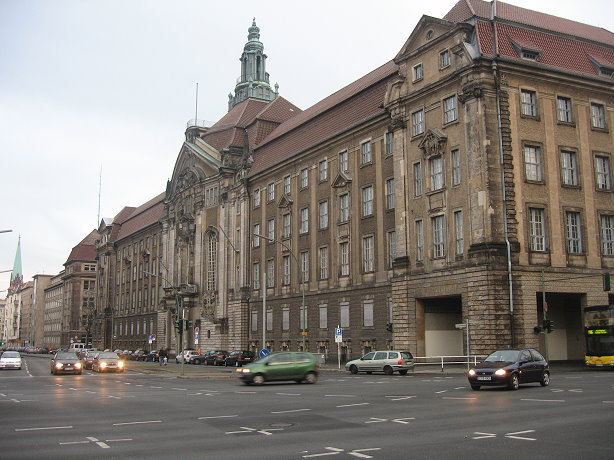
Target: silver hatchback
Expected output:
[388,362]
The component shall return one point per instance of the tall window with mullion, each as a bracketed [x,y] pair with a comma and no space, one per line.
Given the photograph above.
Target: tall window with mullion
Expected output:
[365,153]
[528,103]
[602,173]
[344,258]
[436,165]
[392,247]
[573,226]
[419,241]
[212,262]
[607,234]
[286,225]
[271,229]
[564,109]
[450,113]
[533,163]
[323,214]
[569,168]
[287,269]
[344,207]
[417,122]
[390,204]
[438,237]
[537,229]
[368,254]
[458,233]
[367,312]
[304,258]
[597,116]
[256,275]
[323,262]
[367,201]
[304,226]
[270,273]
[456,167]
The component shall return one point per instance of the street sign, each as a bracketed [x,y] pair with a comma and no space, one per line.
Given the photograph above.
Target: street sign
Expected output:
[338,331]
[196,338]
[264,352]
[338,335]
[460,326]
[196,330]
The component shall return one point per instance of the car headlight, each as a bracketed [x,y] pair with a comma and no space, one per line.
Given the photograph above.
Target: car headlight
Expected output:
[103,364]
[244,370]
[59,365]
[500,372]
[120,363]
[472,372]
[78,365]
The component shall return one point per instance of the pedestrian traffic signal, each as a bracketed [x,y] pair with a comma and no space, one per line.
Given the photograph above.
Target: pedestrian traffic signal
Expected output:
[606,281]
[179,326]
[188,324]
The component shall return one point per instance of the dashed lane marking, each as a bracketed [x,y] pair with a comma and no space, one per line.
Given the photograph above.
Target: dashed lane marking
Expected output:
[288,411]
[352,405]
[137,423]
[45,428]
[217,416]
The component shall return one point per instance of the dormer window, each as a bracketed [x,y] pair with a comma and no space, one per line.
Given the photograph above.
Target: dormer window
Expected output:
[527,51]
[603,68]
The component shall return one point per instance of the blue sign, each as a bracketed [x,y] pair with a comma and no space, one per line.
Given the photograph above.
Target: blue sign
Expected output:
[264,352]
[338,331]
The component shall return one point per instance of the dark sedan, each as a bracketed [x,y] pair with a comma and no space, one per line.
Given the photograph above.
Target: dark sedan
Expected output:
[510,368]
[88,358]
[199,359]
[239,357]
[66,362]
[217,357]
[108,361]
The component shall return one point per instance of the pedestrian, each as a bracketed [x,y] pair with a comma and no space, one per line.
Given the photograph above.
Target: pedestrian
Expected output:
[163,357]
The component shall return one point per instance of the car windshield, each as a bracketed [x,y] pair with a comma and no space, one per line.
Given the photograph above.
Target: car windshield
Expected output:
[107,355]
[66,356]
[508,356]
[10,354]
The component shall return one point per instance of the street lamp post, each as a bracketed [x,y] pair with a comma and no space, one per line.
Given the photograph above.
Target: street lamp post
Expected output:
[298,266]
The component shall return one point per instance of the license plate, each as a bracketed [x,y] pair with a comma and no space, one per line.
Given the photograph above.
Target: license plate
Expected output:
[484,378]
[68,368]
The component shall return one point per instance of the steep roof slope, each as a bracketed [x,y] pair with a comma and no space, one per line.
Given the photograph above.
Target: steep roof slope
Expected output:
[142,217]
[85,250]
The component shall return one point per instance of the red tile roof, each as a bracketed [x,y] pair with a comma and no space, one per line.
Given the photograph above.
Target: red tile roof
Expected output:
[145,215]
[85,250]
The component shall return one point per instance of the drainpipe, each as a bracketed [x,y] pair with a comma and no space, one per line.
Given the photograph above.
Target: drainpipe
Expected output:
[495,71]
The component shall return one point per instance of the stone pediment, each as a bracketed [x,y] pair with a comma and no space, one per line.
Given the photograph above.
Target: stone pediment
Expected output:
[433,143]
[342,180]
[284,202]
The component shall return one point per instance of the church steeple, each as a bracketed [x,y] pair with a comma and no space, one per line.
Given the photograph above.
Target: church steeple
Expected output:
[17,273]
[254,80]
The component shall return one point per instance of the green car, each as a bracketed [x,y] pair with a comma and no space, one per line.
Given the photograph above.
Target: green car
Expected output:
[282,365]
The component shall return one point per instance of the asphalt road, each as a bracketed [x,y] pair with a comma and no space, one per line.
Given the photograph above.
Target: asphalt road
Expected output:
[159,416]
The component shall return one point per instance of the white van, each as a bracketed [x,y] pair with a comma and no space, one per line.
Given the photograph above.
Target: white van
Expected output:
[76,347]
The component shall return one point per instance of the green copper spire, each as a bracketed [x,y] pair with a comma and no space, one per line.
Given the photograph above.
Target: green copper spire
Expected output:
[17,273]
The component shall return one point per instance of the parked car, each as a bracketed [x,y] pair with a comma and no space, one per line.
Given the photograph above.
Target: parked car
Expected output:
[510,368]
[199,359]
[153,355]
[185,354]
[215,357]
[10,360]
[239,358]
[88,358]
[388,362]
[139,355]
[125,354]
[108,361]
[66,362]
[282,365]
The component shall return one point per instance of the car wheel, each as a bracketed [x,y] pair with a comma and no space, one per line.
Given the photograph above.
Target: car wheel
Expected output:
[403,372]
[514,382]
[258,379]
[388,370]
[311,378]
[475,387]
[545,380]
[353,369]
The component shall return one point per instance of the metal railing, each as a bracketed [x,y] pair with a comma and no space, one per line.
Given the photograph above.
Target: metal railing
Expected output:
[468,360]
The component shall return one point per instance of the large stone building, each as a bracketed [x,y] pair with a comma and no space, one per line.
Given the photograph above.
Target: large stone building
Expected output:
[453,184]
[53,335]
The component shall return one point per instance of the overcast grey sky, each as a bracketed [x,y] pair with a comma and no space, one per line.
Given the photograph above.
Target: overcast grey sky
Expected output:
[91,84]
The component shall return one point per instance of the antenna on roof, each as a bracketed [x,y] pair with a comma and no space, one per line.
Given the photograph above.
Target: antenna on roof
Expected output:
[99,191]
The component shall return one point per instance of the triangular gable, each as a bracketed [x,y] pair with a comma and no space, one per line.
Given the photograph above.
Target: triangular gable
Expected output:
[425,32]
[284,202]
[433,143]
[342,180]
[193,165]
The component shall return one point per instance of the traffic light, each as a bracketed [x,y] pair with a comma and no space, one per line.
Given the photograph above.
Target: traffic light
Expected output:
[548,325]
[188,324]
[606,281]
[179,325]
[537,329]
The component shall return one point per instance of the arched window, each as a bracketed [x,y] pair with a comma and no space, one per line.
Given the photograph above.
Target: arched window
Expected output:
[212,262]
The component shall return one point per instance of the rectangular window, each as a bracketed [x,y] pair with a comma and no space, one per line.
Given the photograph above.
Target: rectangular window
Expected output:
[254,320]
[438,237]
[344,207]
[285,318]
[419,241]
[418,72]
[456,167]
[450,113]
[271,229]
[344,164]
[323,262]
[389,308]
[256,275]
[564,109]
[392,247]
[365,153]
[602,173]
[270,273]
[368,254]
[323,316]
[287,225]
[269,319]
[344,258]
[389,143]
[528,103]
[390,203]
[367,201]
[417,179]
[287,185]
[458,233]
[597,116]
[607,234]
[344,314]
[304,258]
[533,163]
[574,232]
[537,229]
[569,168]
[304,220]
[303,311]
[444,59]
[323,170]
[285,263]
[323,215]
[417,122]
[367,313]
[256,235]
[271,192]
[304,178]
[436,165]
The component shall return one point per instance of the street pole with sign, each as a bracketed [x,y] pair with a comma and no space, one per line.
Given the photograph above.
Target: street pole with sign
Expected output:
[338,339]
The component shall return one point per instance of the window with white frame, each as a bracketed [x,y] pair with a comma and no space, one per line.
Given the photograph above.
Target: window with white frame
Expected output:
[389,306]
[392,247]
[528,103]
[271,192]
[287,185]
[368,253]
[365,153]
[285,318]
[323,316]
[417,122]
[285,264]
[344,258]
[419,241]
[533,163]
[417,179]
[436,165]
[344,314]
[456,167]
[438,237]
[450,112]
[367,201]
[537,229]
[304,178]
[444,59]
[256,275]
[269,319]
[304,260]
[389,143]
[458,233]
[323,170]
[597,115]
[418,70]
[367,312]
[254,320]
[602,173]
[211,262]
[323,214]
[304,227]
[256,235]
[390,201]
[303,317]
[569,168]
[564,109]
[271,229]
[606,222]
[344,164]
[270,273]
[287,225]
[256,198]
[323,262]
[573,226]
[344,207]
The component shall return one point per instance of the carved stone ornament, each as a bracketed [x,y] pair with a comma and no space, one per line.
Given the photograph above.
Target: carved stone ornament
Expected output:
[470,91]
[433,143]
[186,179]
[284,202]
[398,121]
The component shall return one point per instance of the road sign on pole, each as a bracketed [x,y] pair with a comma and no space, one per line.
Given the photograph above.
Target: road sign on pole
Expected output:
[264,352]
